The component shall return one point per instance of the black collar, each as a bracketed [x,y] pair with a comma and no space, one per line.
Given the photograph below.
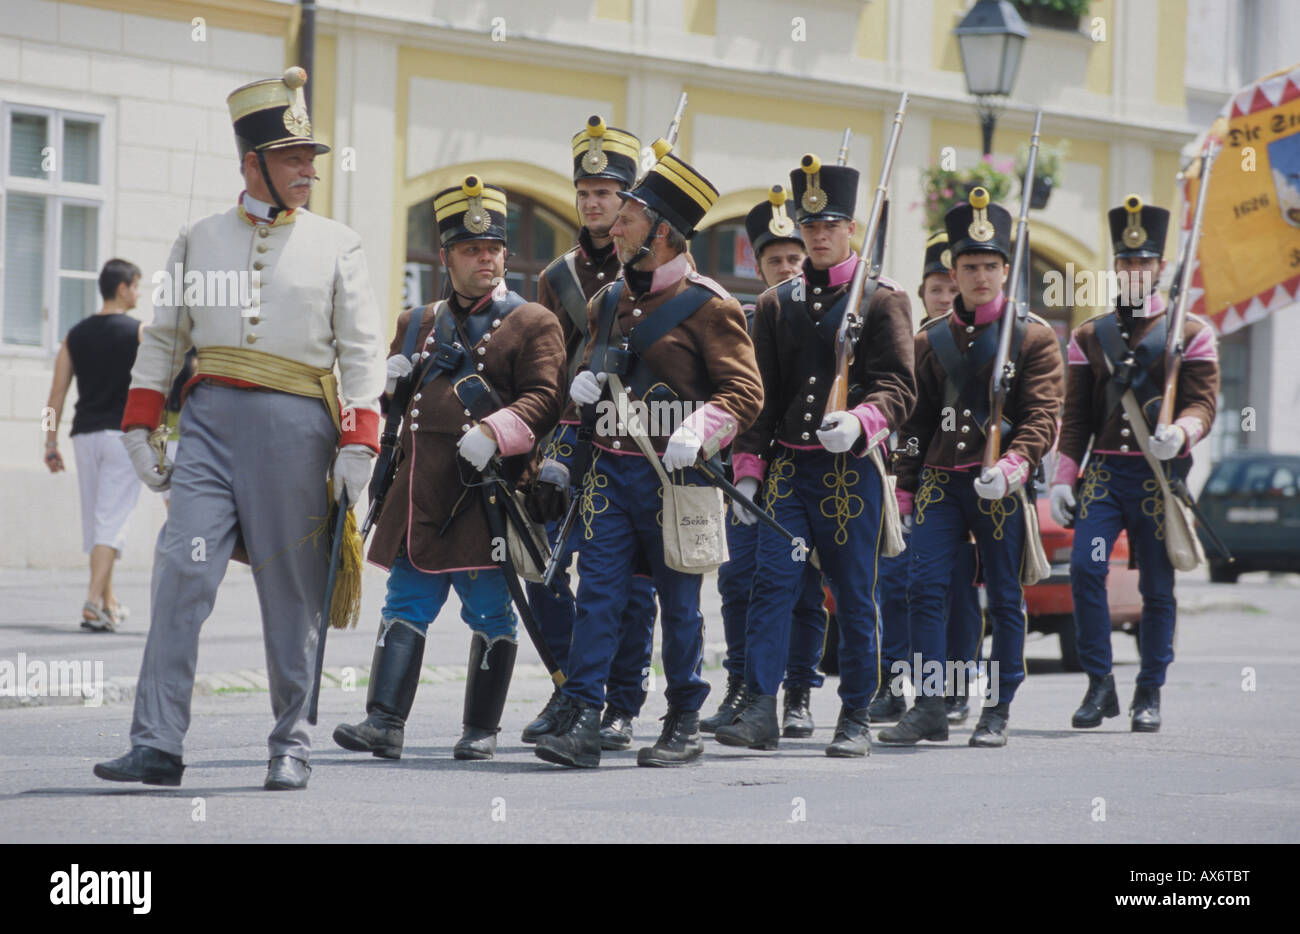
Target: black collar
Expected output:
[597,255]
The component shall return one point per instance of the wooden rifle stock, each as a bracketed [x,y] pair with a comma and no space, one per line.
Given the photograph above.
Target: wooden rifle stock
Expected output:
[846,338]
[1004,368]
[1182,286]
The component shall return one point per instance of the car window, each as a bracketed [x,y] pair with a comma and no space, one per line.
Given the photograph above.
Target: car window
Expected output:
[1256,478]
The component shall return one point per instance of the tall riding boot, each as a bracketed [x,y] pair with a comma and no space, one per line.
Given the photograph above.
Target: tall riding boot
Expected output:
[394,676]
[486,684]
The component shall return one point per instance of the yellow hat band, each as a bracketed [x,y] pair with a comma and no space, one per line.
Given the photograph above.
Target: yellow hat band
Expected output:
[625,144]
[687,181]
[457,202]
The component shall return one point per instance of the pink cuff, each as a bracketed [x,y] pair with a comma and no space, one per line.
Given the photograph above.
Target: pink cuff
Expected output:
[904,502]
[513,436]
[1191,426]
[874,427]
[713,425]
[1015,468]
[1067,471]
[747,465]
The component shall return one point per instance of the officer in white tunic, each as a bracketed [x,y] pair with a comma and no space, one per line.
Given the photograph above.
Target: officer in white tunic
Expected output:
[267,421]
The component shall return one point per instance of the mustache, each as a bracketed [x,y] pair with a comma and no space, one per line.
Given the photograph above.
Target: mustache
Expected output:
[304,182]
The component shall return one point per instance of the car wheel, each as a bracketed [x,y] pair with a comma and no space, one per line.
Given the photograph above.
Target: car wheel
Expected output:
[831,648]
[1221,573]
[1069,644]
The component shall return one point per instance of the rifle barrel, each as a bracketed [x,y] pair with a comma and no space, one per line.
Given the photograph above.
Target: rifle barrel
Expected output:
[844,147]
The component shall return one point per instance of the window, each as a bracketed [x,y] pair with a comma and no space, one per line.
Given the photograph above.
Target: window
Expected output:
[52,227]
[535,235]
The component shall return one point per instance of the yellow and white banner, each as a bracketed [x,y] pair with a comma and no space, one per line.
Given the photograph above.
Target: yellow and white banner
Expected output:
[1248,261]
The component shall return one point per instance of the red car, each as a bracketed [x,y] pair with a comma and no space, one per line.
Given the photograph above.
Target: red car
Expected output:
[1049,603]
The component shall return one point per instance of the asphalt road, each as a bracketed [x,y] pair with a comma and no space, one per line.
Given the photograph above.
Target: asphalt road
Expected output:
[1223,769]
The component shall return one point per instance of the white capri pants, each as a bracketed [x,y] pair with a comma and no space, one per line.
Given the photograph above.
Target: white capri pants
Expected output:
[109,488]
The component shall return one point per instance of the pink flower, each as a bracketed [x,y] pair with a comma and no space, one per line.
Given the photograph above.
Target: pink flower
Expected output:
[987,157]
[947,192]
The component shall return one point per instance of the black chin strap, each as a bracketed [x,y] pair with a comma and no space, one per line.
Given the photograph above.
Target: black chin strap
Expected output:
[266,177]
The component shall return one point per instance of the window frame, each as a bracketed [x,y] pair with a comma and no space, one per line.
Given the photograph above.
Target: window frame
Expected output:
[56,192]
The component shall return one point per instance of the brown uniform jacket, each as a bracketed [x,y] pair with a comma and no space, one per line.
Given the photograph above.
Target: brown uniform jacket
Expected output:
[1033,405]
[1086,408]
[523,360]
[592,275]
[708,358]
[795,396]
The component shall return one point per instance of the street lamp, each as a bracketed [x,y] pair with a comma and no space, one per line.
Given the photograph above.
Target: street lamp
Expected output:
[991,37]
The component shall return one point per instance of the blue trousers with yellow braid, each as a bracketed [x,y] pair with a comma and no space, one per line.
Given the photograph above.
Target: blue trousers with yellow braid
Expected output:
[944,509]
[831,502]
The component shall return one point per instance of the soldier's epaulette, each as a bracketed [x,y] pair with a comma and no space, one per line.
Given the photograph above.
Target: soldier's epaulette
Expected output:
[931,322]
[889,283]
[714,287]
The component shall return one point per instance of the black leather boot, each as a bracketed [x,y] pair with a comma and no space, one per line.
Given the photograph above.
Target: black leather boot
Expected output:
[576,740]
[394,677]
[926,720]
[486,684]
[616,729]
[796,720]
[1145,710]
[756,725]
[991,731]
[678,744]
[852,734]
[886,706]
[143,764]
[957,707]
[545,721]
[1100,702]
[731,705]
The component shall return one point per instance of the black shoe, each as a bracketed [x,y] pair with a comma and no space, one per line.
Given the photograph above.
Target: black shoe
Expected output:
[576,741]
[547,720]
[486,683]
[926,720]
[1145,710]
[1100,702]
[616,729]
[394,677]
[956,708]
[755,727]
[679,743]
[796,720]
[143,764]
[285,773]
[852,734]
[991,731]
[886,706]
[732,703]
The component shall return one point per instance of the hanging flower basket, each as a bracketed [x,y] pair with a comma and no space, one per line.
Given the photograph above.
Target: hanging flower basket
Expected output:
[942,189]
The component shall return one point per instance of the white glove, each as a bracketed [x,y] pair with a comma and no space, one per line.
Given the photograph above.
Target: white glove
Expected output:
[476,447]
[1167,442]
[145,460]
[352,471]
[748,486]
[683,448]
[1062,498]
[991,483]
[842,434]
[587,387]
[398,366]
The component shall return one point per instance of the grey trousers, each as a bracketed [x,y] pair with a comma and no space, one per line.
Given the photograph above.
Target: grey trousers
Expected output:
[255,462]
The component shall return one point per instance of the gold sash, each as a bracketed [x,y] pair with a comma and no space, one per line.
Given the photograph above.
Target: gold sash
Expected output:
[273,372]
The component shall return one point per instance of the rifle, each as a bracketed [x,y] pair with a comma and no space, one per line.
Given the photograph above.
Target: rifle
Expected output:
[586,429]
[843,157]
[846,338]
[1178,295]
[1004,368]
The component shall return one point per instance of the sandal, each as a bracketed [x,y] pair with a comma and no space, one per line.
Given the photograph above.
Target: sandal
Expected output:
[120,612]
[101,621]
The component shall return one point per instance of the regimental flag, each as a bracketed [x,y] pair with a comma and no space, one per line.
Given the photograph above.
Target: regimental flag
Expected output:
[1248,262]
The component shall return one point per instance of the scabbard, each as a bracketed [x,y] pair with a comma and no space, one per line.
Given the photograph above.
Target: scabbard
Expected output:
[335,552]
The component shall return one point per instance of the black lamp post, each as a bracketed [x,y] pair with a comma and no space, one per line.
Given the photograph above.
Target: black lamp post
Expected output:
[991,38]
